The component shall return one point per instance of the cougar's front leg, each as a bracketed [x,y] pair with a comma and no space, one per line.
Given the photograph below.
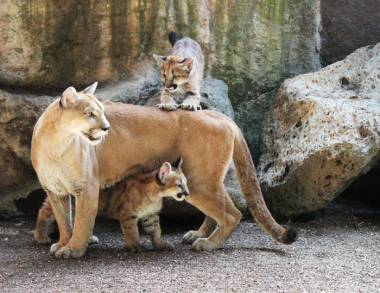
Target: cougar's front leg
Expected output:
[61,206]
[86,208]
[44,223]
[167,102]
[192,101]
[151,225]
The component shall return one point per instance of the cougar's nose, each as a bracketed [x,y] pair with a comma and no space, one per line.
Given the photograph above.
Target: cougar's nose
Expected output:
[186,191]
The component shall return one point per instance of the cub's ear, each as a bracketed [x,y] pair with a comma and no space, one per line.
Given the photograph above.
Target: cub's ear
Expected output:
[91,89]
[188,63]
[178,163]
[159,59]
[69,98]
[164,172]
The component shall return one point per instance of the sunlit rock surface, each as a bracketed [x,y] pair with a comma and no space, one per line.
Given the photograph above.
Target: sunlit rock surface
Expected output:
[322,134]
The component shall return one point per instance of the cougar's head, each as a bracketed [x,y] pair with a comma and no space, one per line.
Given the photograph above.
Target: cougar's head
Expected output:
[175,71]
[83,114]
[172,180]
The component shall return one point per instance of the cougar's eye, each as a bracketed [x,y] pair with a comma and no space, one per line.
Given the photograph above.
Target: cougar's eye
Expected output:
[91,114]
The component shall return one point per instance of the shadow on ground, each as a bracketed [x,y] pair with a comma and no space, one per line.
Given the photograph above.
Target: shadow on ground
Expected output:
[338,250]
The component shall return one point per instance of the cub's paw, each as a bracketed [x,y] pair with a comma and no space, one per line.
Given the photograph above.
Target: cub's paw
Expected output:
[191,105]
[168,106]
[67,252]
[190,237]
[164,245]
[93,240]
[203,244]
[42,238]
[134,248]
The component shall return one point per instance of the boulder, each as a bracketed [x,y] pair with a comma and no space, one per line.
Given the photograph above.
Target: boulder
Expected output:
[322,133]
[19,113]
[250,116]
[346,26]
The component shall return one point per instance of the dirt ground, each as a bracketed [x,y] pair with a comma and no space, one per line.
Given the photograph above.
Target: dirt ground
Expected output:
[339,250]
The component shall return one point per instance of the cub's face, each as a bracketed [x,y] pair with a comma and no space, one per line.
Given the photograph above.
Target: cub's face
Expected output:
[175,71]
[83,114]
[173,181]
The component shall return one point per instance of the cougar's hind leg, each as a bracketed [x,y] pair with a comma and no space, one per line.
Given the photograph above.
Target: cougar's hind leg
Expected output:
[129,226]
[218,206]
[204,230]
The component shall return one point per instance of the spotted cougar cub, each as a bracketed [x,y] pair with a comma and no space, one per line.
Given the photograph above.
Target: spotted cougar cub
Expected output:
[137,198]
[181,72]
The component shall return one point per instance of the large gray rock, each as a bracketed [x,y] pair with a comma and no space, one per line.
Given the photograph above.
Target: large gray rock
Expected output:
[18,114]
[250,116]
[346,26]
[323,133]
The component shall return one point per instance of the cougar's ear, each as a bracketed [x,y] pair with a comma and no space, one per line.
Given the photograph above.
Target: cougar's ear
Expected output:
[178,163]
[164,172]
[91,88]
[159,59]
[188,63]
[69,98]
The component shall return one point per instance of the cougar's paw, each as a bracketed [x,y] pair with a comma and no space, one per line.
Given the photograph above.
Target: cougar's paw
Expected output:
[93,240]
[67,252]
[42,239]
[168,106]
[191,105]
[55,247]
[190,237]
[134,248]
[203,244]
[164,245]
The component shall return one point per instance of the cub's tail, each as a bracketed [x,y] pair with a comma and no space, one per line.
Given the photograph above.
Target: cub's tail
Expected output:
[252,192]
[173,38]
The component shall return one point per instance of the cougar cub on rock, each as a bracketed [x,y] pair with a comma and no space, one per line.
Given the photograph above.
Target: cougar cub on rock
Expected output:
[181,72]
[137,198]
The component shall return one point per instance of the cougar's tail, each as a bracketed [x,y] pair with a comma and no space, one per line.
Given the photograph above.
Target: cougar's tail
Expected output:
[173,38]
[252,192]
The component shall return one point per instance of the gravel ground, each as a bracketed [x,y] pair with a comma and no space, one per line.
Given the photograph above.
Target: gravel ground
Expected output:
[337,251]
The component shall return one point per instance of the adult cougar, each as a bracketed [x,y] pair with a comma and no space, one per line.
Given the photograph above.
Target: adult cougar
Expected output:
[74,151]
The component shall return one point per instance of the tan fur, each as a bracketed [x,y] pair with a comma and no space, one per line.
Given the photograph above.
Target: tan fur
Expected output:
[181,72]
[136,198]
[139,138]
